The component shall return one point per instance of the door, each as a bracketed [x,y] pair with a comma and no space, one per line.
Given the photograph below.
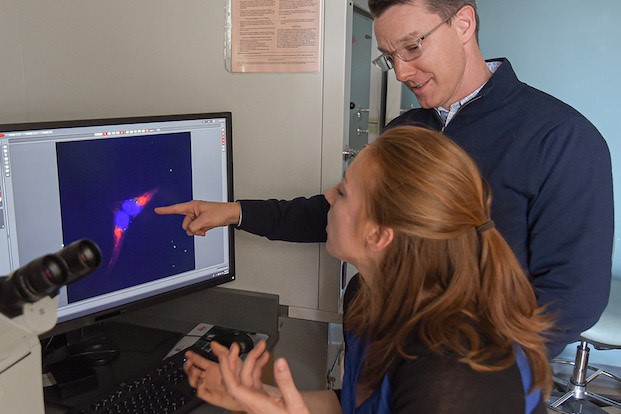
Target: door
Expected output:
[366,102]
[365,111]
[360,82]
[367,98]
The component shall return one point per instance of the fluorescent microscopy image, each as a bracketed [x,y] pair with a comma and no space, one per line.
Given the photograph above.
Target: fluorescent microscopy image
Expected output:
[123,216]
[108,188]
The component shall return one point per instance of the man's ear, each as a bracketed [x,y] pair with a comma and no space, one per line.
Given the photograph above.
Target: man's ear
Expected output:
[466,22]
[379,238]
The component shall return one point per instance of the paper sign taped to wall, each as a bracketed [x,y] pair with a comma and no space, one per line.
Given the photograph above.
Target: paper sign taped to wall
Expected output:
[273,35]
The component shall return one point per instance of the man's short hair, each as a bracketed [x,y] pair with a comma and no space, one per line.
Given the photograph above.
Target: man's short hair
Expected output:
[443,8]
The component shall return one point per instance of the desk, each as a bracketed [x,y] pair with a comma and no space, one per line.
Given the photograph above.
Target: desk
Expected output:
[145,337]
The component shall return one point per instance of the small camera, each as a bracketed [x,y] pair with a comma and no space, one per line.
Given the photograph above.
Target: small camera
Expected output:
[45,275]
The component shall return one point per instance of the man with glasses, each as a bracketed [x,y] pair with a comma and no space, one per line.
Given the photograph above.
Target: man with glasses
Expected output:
[548,166]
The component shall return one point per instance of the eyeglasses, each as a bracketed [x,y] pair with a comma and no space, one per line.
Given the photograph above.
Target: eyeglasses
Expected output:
[406,53]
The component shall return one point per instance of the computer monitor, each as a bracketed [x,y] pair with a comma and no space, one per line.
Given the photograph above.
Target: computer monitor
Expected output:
[100,180]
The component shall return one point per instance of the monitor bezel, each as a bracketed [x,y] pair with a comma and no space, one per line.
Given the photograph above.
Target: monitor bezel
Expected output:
[100,316]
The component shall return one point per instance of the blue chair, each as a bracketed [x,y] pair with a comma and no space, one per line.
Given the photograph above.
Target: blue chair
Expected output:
[576,396]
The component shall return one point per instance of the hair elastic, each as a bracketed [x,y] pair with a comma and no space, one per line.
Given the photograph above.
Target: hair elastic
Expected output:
[489,224]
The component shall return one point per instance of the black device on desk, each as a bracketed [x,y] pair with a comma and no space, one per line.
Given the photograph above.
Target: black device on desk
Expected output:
[226,337]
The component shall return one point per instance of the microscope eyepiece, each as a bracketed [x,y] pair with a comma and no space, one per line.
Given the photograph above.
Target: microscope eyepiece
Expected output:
[82,257]
[45,275]
[39,278]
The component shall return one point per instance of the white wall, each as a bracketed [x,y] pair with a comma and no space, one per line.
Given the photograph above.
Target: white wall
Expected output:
[76,59]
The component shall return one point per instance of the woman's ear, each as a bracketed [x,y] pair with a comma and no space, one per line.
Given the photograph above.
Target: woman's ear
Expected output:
[379,238]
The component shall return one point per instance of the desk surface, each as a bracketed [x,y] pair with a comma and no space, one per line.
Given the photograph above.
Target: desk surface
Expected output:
[141,350]
[145,337]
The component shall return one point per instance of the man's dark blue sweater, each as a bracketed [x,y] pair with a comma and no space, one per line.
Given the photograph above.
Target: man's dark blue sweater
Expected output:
[551,178]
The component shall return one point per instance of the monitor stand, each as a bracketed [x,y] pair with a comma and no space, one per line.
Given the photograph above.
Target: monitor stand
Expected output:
[91,346]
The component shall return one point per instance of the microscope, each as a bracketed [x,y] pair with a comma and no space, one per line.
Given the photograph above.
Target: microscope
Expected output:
[28,304]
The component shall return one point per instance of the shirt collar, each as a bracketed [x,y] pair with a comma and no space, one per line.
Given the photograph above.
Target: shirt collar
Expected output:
[448,114]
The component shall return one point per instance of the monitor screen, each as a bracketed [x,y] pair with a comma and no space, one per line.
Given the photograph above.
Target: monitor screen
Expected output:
[101,180]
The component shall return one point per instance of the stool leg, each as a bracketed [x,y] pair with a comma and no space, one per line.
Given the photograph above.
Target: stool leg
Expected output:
[579,377]
[577,382]
[607,401]
[576,388]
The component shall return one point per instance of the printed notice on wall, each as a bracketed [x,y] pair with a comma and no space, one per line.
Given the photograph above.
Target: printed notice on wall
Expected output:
[274,35]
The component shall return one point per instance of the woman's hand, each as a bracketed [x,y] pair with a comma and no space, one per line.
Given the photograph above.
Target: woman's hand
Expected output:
[204,375]
[243,384]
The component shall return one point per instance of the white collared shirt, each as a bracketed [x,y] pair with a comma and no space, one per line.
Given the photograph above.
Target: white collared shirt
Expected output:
[448,114]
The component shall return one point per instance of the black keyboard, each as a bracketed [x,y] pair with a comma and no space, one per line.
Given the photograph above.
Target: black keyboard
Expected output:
[163,390]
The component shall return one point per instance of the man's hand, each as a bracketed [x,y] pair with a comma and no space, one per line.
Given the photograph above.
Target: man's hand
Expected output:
[202,216]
